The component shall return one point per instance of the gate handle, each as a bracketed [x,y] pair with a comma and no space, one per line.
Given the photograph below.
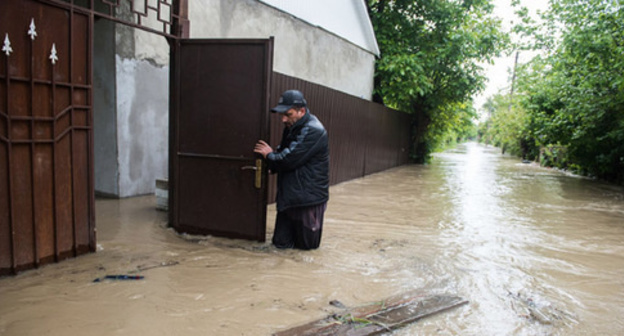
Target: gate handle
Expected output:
[258,169]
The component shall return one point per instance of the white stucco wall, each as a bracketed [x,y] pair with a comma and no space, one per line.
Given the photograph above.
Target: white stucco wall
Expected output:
[301,50]
[142,77]
[142,125]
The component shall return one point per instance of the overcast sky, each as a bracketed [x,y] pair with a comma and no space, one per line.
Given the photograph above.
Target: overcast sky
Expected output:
[499,74]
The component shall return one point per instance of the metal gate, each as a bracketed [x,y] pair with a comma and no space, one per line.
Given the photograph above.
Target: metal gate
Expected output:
[46,121]
[220,185]
[46,202]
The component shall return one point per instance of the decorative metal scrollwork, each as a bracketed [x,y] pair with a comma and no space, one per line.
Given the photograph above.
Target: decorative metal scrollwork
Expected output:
[32,29]
[6,48]
[53,57]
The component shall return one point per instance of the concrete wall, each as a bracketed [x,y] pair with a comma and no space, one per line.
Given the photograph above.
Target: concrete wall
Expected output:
[142,71]
[142,125]
[301,50]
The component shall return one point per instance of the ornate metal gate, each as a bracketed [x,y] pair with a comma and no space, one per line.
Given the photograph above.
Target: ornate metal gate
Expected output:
[46,121]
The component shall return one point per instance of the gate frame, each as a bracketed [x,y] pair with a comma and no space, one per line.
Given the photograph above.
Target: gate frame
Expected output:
[178,22]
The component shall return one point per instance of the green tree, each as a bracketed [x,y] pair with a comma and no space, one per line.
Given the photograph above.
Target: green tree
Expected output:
[506,126]
[430,56]
[574,93]
[450,125]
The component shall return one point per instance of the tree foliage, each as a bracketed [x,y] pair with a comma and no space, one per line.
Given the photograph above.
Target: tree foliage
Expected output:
[430,56]
[505,127]
[450,125]
[573,95]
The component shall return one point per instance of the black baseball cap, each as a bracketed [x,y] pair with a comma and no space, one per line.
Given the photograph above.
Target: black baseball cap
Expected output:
[288,100]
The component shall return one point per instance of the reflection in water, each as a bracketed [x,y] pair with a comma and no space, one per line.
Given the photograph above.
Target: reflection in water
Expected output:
[536,252]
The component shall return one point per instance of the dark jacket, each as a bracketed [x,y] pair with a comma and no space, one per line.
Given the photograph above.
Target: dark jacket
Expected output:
[301,162]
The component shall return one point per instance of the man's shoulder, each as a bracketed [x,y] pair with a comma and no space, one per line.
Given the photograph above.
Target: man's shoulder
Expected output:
[315,123]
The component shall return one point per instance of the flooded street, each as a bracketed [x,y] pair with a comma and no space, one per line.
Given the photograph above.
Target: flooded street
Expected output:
[535,251]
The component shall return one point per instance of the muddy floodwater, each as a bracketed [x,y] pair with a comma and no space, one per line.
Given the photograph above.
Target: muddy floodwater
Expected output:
[534,250]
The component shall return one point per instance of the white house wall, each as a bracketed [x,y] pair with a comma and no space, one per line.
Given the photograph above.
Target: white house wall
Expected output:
[142,71]
[345,18]
[142,125]
[301,50]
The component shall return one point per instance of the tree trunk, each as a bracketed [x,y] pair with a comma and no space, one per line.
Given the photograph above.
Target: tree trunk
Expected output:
[419,150]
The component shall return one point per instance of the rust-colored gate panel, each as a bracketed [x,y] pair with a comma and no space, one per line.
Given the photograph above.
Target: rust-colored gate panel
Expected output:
[219,183]
[46,189]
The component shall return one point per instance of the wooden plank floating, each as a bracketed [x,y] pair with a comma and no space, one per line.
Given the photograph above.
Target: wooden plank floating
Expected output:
[378,317]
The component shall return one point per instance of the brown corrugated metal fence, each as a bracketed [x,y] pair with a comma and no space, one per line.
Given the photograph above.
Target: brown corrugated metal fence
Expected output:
[364,137]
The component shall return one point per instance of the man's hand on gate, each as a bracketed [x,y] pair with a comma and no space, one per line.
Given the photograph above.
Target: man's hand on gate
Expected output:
[263,148]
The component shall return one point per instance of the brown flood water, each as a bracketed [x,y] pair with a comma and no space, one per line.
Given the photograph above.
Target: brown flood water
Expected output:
[535,251]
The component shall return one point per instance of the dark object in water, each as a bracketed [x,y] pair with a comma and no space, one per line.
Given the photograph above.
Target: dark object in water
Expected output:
[337,304]
[120,277]
[378,317]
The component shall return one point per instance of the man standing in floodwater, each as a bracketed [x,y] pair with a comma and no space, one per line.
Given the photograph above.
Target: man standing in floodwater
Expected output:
[301,162]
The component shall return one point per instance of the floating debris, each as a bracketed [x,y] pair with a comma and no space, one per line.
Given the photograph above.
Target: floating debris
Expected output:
[374,318]
[540,311]
[119,277]
[337,304]
[142,268]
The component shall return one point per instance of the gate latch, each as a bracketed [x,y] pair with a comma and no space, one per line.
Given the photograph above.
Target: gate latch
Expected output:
[258,169]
